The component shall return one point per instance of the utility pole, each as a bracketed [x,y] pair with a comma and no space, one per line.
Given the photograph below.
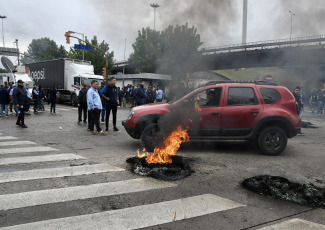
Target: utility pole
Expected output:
[124,60]
[3,35]
[292,14]
[16,42]
[244,33]
[154,6]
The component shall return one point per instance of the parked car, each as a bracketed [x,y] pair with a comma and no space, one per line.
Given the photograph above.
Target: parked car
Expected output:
[261,111]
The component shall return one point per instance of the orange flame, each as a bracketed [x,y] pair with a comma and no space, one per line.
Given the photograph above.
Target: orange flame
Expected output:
[162,154]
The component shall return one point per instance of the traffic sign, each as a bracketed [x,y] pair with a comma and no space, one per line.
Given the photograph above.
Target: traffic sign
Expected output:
[82,47]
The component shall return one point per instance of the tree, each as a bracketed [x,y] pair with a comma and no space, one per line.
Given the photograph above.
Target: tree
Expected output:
[97,58]
[147,50]
[43,49]
[173,51]
[180,54]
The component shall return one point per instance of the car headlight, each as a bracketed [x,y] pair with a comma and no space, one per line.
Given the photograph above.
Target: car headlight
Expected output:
[130,115]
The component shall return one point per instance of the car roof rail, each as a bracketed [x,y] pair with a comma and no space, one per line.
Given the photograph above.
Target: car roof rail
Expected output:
[247,82]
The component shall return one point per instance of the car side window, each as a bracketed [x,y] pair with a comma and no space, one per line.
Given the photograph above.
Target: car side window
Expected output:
[209,98]
[270,95]
[240,96]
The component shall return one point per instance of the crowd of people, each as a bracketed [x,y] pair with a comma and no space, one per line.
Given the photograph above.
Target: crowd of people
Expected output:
[315,99]
[95,103]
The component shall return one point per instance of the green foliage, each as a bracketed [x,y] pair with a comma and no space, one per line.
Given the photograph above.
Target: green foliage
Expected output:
[43,49]
[3,70]
[172,51]
[96,57]
[147,50]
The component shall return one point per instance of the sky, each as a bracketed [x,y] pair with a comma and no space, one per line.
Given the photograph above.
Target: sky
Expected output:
[219,22]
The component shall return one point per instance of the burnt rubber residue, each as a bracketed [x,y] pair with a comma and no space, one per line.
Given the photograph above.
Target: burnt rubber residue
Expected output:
[177,170]
[281,188]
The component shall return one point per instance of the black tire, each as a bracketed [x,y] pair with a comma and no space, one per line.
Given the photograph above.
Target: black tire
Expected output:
[272,140]
[151,137]
[74,100]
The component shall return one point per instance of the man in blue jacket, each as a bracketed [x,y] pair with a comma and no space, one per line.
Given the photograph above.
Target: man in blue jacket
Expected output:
[110,95]
[4,100]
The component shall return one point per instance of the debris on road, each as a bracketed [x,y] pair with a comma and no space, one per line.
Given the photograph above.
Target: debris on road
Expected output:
[281,188]
[308,125]
[174,216]
[178,169]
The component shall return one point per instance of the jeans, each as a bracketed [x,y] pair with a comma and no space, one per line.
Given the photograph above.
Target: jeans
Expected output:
[124,102]
[4,107]
[53,104]
[35,105]
[320,107]
[21,116]
[103,112]
[40,104]
[108,112]
[95,114]
[82,108]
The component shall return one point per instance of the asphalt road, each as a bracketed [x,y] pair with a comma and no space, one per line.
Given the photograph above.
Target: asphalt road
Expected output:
[52,178]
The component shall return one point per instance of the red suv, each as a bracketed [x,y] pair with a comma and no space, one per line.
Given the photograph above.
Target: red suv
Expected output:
[261,111]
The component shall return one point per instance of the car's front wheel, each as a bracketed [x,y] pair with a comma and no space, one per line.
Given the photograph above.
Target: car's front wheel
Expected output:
[272,140]
[151,137]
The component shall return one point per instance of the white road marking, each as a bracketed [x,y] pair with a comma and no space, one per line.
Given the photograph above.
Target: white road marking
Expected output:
[38,159]
[8,138]
[295,224]
[27,150]
[9,143]
[139,216]
[57,172]
[49,196]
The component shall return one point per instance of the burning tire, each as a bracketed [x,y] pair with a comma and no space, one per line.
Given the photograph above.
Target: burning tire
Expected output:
[151,137]
[272,140]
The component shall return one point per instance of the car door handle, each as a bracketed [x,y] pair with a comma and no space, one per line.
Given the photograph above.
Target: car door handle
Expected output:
[254,112]
[216,113]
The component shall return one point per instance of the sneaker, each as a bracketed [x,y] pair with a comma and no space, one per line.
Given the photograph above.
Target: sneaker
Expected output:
[7,115]
[106,130]
[101,132]
[102,121]
[115,129]
[17,123]
[35,112]
[78,122]
[92,132]
[23,126]
[88,129]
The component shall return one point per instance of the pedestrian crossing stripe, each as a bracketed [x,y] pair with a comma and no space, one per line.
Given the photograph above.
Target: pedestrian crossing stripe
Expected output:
[27,150]
[57,172]
[50,196]
[295,224]
[8,138]
[139,216]
[10,143]
[39,159]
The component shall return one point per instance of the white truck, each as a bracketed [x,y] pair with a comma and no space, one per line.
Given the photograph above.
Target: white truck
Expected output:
[65,74]
[8,79]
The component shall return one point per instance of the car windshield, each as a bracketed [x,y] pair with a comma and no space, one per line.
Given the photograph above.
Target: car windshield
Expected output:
[182,98]
[88,81]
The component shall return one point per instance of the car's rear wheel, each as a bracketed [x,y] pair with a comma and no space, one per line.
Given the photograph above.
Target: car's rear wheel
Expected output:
[151,137]
[272,140]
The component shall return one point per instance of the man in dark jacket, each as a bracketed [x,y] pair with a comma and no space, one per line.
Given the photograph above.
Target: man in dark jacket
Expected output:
[53,96]
[20,100]
[297,96]
[82,103]
[151,95]
[4,100]
[110,95]
[141,97]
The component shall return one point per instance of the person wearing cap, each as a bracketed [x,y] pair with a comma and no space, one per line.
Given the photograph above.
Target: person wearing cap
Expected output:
[20,100]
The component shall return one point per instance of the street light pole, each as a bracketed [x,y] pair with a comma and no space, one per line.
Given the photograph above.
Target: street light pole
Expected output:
[3,35]
[292,14]
[83,38]
[124,60]
[16,42]
[154,6]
